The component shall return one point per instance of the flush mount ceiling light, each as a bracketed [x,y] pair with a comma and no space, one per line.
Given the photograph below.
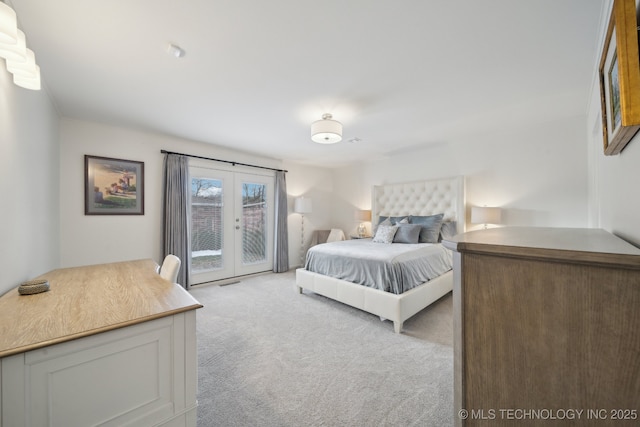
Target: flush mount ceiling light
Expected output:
[326,131]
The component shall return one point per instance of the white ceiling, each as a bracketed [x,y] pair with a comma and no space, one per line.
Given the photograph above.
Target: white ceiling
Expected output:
[398,74]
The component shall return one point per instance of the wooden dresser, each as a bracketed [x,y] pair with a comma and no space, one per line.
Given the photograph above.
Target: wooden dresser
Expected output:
[546,327]
[110,345]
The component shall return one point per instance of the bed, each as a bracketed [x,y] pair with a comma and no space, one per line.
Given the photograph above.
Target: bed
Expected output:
[383,296]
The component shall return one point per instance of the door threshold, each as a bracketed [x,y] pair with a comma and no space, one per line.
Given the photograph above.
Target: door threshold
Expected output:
[231,280]
[229,283]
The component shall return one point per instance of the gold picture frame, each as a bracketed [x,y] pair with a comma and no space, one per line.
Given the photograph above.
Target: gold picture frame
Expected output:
[620,78]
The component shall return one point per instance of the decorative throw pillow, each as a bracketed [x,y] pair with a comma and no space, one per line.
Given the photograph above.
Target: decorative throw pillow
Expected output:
[430,227]
[390,220]
[448,230]
[384,221]
[393,220]
[407,233]
[385,233]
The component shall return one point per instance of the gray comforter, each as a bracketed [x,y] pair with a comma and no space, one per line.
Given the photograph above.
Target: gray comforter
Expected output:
[395,267]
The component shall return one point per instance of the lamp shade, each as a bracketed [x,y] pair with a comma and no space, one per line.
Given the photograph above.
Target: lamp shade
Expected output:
[16,51]
[326,131]
[8,25]
[486,215]
[302,205]
[363,215]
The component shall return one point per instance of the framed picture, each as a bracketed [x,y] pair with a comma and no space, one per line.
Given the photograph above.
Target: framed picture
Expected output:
[620,78]
[113,186]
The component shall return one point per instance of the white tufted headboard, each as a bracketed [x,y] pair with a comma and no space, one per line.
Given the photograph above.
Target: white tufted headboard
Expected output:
[421,198]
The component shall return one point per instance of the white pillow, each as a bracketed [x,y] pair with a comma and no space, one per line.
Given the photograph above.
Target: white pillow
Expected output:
[385,233]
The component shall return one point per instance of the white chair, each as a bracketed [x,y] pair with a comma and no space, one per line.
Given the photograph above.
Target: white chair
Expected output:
[335,235]
[170,267]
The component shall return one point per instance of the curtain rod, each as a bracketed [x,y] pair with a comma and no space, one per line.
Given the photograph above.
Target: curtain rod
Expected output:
[223,161]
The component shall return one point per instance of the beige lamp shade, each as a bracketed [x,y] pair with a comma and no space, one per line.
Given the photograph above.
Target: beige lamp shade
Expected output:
[302,205]
[486,215]
[363,215]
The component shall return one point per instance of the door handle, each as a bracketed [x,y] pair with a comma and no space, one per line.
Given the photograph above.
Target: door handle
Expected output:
[237,227]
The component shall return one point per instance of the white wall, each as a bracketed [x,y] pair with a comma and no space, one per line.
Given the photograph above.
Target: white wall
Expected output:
[316,184]
[538,175]
[614,204]
[92,239]
[29,167]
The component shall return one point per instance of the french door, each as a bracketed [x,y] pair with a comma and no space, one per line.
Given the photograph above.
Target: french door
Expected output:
[232,216]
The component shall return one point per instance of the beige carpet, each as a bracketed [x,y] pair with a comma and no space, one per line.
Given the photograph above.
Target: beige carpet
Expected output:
[271,357]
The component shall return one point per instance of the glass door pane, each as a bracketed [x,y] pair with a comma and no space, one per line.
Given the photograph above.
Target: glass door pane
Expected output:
[206,224]
[254,223]
[212,244]
[254,211]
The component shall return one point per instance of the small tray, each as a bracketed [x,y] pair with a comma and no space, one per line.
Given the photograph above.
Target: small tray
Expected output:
[33,287]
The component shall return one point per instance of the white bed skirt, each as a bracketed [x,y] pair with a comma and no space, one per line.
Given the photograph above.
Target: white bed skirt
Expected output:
[396,308]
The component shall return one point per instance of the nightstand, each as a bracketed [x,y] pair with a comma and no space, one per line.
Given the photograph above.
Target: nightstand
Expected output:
[355,236]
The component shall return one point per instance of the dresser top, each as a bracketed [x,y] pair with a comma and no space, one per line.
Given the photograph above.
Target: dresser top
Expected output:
[591,245]
[88,300]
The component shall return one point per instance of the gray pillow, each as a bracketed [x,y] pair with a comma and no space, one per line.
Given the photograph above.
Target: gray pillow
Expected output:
[385,233]
[448,229]
[430,227]
[407,233]
[393,219]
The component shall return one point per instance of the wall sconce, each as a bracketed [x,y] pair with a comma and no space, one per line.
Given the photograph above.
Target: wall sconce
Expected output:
[486,215]
[20,61]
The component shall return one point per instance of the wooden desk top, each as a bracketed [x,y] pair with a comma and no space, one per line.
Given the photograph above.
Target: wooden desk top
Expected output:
[578,245]
[86,301]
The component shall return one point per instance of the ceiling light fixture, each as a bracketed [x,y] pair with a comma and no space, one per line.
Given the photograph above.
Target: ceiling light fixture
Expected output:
[15,51]
[8,24]
[32,83]
[175,51]
[326,131]
[20,61]
[26,68]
